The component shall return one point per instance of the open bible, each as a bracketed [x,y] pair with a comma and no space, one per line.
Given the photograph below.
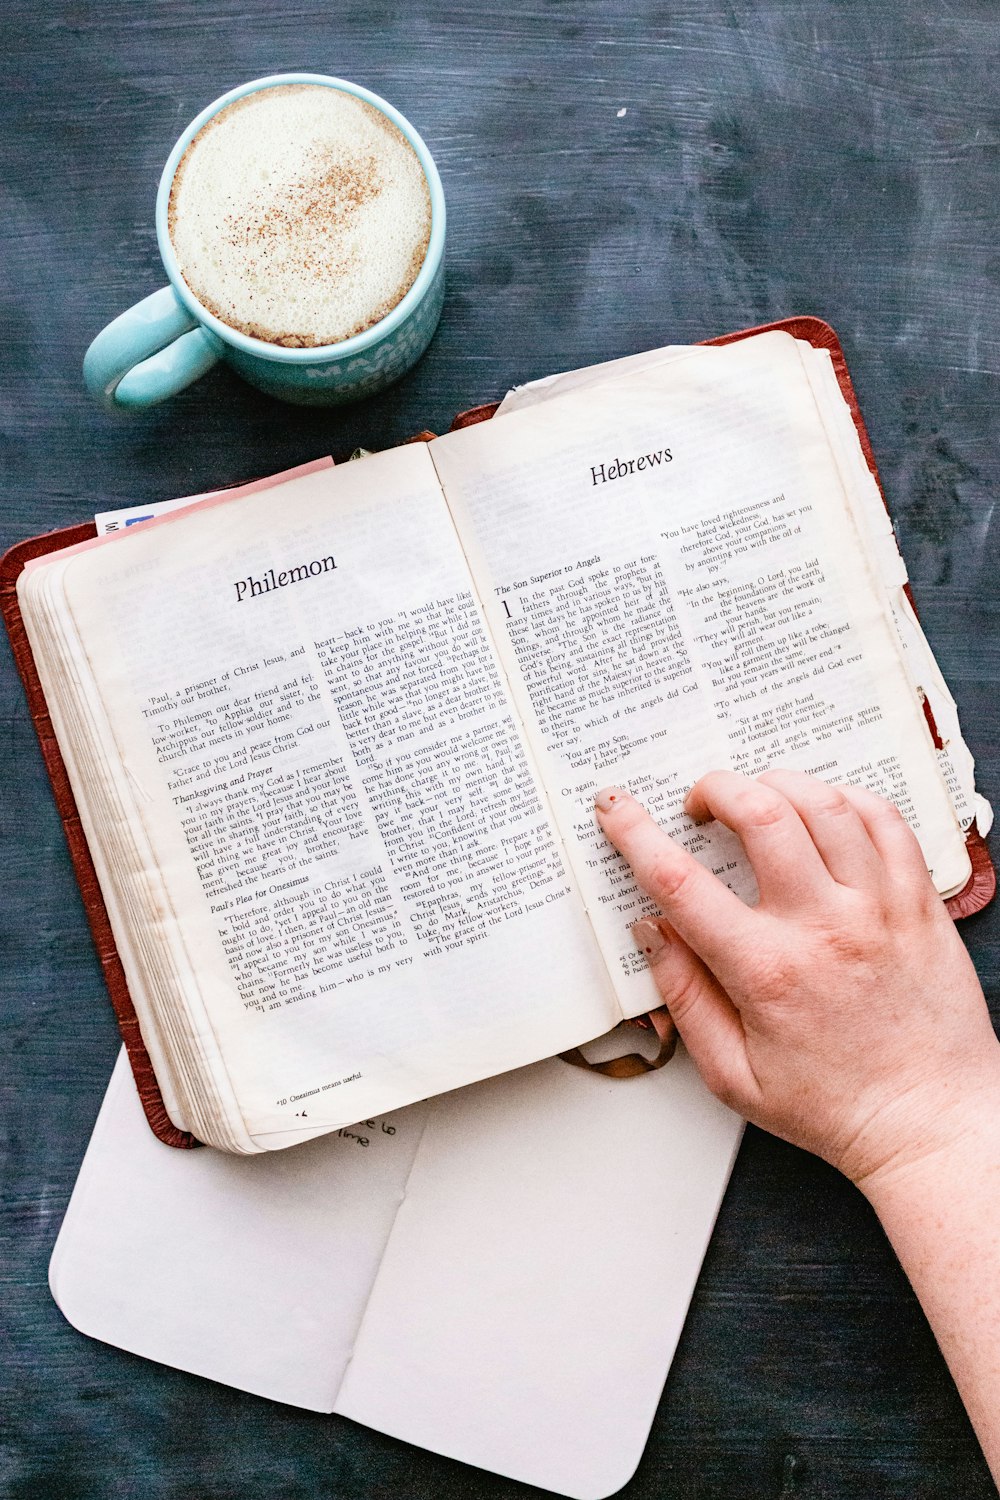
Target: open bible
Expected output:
[334,744]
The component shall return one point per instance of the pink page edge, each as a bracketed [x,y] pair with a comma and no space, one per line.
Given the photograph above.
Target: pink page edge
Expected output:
[198,502]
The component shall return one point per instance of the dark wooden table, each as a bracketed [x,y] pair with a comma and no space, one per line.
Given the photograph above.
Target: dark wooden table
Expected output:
[618,175]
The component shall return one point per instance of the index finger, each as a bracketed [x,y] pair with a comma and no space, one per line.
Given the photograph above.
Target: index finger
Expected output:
[707,914]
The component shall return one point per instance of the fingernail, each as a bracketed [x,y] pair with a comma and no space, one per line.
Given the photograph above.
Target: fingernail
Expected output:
[608,797]
[648,937]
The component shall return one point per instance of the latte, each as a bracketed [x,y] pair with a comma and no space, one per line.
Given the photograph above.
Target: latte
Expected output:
[300,215]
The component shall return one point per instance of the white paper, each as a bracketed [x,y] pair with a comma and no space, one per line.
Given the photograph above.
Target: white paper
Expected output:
[539,1272]
[253,1271]
[539,1235]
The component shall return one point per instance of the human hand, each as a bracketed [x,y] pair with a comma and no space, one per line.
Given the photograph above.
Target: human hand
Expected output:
[842,1013]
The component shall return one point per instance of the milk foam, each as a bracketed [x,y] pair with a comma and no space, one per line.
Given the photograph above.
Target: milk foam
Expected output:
[300,215]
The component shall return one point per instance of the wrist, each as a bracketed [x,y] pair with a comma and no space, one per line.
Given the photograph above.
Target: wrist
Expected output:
[938,1204]
[931,1135]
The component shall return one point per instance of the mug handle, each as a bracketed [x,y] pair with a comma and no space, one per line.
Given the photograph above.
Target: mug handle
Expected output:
[148,353]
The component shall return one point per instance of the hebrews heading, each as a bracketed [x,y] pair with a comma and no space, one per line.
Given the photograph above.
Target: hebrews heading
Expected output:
[252,587]
[619,467]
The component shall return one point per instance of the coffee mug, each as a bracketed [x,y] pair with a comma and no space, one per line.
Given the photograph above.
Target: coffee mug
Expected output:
[168,340]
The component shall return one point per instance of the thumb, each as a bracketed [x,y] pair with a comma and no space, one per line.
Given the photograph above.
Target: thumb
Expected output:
[708,1021]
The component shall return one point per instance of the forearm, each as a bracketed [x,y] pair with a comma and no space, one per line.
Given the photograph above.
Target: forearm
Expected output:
[844,1014]
[942,1216]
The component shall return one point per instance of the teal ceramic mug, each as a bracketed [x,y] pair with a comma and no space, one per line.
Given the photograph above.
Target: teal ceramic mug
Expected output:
[168,340]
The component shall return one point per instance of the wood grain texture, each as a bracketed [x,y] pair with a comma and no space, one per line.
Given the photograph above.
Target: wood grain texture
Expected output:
[774,157]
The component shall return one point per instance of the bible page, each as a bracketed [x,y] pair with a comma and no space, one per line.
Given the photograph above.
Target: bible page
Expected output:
[347,861]
[676,582]
[953,754]
[860,486]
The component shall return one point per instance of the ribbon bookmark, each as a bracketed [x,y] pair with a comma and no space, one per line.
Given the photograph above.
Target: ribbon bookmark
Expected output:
[632,1064]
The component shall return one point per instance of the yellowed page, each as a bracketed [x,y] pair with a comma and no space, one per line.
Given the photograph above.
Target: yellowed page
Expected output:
[954,757]
[322,804]
[676,581]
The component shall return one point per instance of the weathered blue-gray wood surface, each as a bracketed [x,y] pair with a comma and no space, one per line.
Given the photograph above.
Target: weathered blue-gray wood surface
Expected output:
[840,157]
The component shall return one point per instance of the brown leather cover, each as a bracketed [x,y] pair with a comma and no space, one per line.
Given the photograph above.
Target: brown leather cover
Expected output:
[977,893]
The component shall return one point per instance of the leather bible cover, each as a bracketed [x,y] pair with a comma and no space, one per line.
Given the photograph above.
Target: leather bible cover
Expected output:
[979,890]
